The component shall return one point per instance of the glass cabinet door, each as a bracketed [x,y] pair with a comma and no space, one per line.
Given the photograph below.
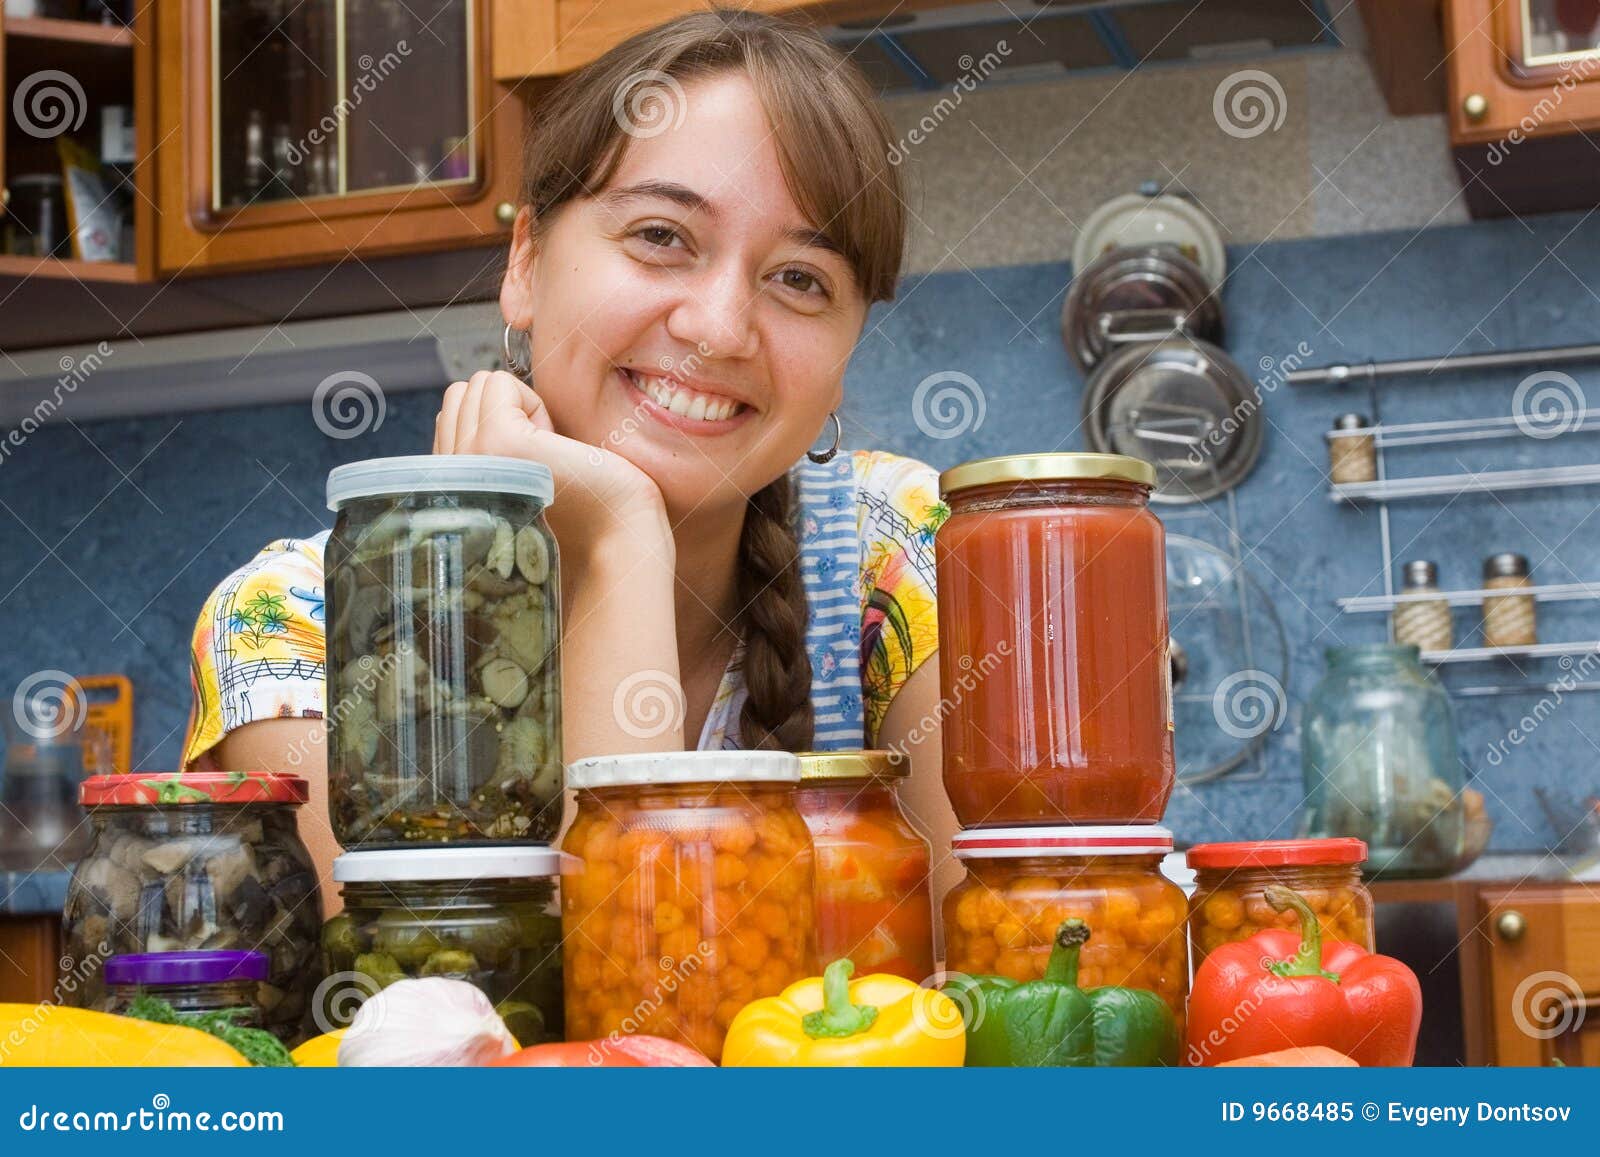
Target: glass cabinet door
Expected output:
[332,98]
[1556,32]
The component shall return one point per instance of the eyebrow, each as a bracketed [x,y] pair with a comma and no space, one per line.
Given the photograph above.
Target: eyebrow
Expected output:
[695,203]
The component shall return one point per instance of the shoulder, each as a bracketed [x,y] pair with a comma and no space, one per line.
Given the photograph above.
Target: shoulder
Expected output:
[897,501]
[298,559]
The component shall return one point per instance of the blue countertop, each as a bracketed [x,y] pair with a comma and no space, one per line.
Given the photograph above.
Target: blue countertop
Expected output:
[32,893]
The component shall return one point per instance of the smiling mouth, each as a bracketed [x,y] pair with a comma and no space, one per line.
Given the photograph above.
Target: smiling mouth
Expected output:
[684,401]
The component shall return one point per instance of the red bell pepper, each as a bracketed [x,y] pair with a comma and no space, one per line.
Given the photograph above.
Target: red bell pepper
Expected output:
[1280,990]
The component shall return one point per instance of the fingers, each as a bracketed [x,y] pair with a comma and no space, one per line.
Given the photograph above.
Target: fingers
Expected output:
[489,413]
[469,424]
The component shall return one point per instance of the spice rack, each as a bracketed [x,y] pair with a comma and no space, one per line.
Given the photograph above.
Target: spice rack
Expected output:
[1387,488]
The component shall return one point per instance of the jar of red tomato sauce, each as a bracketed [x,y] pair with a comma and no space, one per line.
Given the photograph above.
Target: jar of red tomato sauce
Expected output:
[1053,642]
[873,903]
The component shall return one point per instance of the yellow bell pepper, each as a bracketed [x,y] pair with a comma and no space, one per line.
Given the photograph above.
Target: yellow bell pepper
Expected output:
[53,1036]
[879,1021]
[320,1052]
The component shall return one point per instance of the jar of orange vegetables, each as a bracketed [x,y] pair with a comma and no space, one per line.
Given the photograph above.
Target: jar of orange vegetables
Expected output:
[873,903]
[1023,882]
[1229,901]
[690,893]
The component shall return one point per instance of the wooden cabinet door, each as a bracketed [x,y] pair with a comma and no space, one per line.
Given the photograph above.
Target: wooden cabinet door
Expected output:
[445,189]
[1501,89]
[1543,974]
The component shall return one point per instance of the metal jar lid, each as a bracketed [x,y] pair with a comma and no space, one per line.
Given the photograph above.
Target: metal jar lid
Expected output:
[1129,296]
[821,766]
[1186,406]
[1505,565]
[1046,468]
[1421,572]
[678,767]
[1350,422]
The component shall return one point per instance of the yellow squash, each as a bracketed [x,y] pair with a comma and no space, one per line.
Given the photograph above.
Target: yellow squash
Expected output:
[52,1036]
[320,1052]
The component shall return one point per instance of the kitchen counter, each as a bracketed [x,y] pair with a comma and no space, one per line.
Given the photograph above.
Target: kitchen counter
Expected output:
[32,893]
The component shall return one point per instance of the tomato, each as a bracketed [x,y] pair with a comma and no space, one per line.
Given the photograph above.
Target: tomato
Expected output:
[658,1052]
[568,1055]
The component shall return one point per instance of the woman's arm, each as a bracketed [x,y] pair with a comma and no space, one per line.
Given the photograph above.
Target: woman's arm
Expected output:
[621,687]
[912,725]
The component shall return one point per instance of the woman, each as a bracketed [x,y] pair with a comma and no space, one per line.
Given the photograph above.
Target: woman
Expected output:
[709,212]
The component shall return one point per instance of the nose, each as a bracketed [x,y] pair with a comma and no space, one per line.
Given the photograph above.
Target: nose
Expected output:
[716,314]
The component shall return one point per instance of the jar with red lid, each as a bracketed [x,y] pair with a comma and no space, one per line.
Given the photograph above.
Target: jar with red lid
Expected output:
[198,861]
[1053,642]
[689,892]
[1229,901]
[1022,883]
[873,902]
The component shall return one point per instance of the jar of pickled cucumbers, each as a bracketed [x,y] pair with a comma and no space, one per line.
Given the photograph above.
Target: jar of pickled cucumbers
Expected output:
[486,915]
[688,894]
[1229,901]
[1022,883]
[444,672]
[873,902]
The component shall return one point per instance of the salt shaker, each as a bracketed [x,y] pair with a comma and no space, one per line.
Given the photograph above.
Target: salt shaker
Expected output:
[1352,457]
[1508,621]
[1425,623]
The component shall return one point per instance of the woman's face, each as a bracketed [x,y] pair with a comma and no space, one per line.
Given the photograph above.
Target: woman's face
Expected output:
[689,317]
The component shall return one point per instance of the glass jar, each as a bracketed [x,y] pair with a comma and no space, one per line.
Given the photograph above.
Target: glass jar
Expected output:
[1379,756]
[873,903]
[1229,902]
[200,861]
[444,666]
[486,915]
[690,892]
[1022,883]
[1053,649]
[191,982]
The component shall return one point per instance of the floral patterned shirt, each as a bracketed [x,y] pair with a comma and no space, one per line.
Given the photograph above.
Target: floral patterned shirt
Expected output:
[865,524]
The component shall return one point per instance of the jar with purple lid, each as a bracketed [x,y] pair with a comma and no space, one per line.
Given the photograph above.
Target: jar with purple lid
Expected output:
[191,982]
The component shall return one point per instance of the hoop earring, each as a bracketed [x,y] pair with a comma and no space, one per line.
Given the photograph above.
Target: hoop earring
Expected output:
[520,364]
[819,457]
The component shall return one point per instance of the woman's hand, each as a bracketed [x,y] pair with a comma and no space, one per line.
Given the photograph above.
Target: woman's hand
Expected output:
[618,563]
[600,496]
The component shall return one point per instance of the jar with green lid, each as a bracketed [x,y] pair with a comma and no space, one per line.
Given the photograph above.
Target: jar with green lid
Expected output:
[191,982]
[444,666]
[487,915]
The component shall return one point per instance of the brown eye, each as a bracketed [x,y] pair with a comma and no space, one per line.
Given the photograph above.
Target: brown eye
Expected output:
[658,235]
[800,281]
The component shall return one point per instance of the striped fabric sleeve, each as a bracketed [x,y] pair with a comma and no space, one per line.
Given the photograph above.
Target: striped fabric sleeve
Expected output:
[898,510]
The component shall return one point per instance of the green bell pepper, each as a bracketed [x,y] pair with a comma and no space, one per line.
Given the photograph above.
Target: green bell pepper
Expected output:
[1052,1022]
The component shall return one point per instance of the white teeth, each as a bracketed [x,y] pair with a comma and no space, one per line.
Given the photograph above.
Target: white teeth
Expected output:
[684,402]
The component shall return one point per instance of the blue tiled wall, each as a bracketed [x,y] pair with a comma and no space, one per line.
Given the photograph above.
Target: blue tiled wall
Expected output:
[106,573]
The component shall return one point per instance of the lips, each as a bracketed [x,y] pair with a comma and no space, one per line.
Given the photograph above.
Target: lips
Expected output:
[683,401]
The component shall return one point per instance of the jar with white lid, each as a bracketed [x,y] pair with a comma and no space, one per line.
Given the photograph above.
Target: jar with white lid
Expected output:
[487,915]
[444,667]
[688,894]
[1023,883]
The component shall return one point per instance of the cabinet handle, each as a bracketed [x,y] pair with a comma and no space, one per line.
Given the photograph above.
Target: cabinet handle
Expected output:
[505,212]
[1476,106]
[1511,925]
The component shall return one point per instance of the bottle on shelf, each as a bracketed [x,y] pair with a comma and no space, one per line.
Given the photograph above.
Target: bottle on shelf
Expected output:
[1508,621]
[1352,457]
[1426,623]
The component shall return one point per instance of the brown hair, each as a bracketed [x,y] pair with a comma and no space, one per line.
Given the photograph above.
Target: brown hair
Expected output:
[833,147]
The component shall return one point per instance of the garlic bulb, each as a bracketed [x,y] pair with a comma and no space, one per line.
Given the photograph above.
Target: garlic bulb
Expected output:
[429,1023]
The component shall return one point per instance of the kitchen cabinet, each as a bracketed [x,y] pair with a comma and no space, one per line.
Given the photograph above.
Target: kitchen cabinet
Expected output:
[30,947]
[303,130]
[1524,83]
[1510,969]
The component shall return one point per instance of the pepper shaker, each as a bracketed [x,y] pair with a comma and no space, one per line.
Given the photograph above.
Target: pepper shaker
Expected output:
[1352,457]
[1508,621]
[1425,623]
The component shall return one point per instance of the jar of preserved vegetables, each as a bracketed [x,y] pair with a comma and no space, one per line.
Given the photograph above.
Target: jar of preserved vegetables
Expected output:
[444,672]
[1022,883]
[1053,644]
[200,861]
[486,915]
[873,902]
[690,892]
[1229,901]
[191,982]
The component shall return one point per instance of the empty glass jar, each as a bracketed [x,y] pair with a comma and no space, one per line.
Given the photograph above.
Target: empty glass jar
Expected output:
[1379,757]
[444,670]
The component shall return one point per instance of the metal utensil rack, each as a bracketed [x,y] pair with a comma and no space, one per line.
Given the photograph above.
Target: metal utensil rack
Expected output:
[1386,489]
